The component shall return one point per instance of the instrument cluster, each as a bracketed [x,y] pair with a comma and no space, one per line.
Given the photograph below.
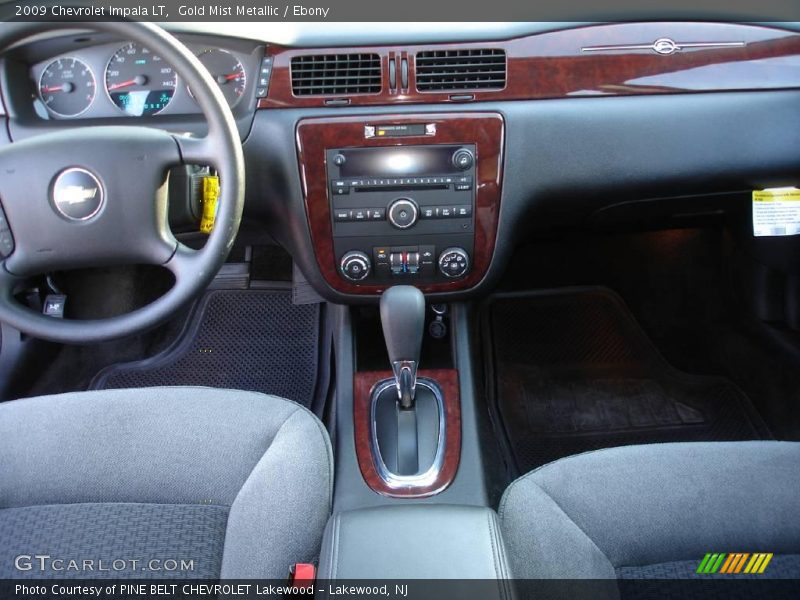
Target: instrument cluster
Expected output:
[127,79]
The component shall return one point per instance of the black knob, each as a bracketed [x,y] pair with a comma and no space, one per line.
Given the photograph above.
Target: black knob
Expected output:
[463,159]
[339,160]
[355,265]
[454,262]
[403,213]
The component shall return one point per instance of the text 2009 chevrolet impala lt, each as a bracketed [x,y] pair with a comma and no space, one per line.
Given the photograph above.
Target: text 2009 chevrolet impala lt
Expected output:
[517,304]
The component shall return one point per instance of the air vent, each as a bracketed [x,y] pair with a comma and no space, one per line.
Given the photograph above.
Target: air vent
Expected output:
[336,74]
[478,69]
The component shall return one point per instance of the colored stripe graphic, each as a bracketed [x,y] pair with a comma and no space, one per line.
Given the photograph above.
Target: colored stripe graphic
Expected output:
[741,562]
[728,564]
[711,563]
[703,563]
[734,563]
[737,563]
[753,560]
[764,564]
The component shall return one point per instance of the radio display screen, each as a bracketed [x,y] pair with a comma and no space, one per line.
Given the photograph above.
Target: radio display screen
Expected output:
[402,161]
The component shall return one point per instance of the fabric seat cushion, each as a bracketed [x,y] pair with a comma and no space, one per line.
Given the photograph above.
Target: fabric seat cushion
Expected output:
[603,514]
[240,480]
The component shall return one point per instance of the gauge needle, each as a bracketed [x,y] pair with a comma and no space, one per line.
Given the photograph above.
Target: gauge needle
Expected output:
[66,87]
[229,77]
[138,80]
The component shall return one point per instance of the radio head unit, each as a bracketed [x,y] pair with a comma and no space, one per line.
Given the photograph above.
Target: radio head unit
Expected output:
[402,213]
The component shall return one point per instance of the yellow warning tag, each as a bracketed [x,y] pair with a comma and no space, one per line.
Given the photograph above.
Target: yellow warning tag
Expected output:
[210,203]
[776,212]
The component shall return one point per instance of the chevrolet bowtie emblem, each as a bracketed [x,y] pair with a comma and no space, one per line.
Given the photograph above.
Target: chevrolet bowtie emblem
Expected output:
[75,194]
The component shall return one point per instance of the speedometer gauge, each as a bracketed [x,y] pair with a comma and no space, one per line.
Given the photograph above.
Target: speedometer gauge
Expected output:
[227,71]
[67,87]
[138,81]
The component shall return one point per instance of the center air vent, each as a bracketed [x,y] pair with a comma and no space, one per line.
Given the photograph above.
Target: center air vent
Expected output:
[474,69]
[336,74]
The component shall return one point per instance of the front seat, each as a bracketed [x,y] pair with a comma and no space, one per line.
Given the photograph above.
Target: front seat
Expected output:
[655,511]
[238,483]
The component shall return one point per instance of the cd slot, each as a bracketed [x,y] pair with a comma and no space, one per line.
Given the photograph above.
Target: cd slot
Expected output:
[399,188]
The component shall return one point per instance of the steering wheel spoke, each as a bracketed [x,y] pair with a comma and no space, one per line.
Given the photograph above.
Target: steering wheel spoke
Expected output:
[183,262]
[196,151]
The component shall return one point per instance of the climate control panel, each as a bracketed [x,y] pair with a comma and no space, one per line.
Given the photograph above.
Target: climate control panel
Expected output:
[399,262]
[403,213]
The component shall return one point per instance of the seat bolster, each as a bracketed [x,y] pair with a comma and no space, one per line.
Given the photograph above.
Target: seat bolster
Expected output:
[170,445]
[645,505]
[543,542]
[278,517]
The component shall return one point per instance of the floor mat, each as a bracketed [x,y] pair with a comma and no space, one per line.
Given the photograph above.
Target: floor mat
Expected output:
[573,371]
[249,340]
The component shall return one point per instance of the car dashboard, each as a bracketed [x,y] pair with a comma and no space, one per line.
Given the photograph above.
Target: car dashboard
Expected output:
[353,150]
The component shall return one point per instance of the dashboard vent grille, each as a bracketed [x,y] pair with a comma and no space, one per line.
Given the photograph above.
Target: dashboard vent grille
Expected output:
[336,74]
[473,69]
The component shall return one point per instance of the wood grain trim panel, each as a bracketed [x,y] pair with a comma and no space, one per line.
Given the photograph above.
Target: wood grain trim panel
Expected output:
[553,65]
[363,383]
[485,130]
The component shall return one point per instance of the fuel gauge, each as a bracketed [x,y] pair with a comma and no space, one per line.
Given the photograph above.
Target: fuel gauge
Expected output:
[67,87]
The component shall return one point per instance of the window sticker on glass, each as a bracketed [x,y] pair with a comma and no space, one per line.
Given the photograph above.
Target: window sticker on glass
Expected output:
[776,212]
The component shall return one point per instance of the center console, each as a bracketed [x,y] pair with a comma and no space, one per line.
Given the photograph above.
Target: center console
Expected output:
[402,200]
[420,542]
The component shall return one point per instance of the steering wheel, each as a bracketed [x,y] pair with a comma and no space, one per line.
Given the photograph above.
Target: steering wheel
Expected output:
[96,196]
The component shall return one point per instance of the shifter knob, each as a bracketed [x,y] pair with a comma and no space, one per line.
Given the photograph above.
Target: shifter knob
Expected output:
[403,321]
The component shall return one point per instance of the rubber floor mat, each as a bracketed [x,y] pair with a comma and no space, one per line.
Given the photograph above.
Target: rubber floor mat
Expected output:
[240,339]
[573,372]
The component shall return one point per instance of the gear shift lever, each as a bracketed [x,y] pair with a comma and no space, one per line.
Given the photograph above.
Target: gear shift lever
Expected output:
[403,321]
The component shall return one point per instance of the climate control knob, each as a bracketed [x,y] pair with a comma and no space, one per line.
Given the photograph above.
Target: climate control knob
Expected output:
[403,213]
[355,265]
[454,262]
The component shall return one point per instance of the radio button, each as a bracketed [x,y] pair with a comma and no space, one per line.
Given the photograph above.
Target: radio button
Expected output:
[339,187]
[463,159]
[360,214]
[464,210]
[446,212]
[343,214]
[428,212]
[377,214]
[403,213]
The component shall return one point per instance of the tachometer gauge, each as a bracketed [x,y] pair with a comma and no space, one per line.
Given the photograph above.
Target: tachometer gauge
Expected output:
[67,87]
[138,81]
[227,71]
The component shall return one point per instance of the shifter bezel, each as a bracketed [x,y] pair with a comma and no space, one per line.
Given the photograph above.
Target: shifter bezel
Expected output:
[427,477]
